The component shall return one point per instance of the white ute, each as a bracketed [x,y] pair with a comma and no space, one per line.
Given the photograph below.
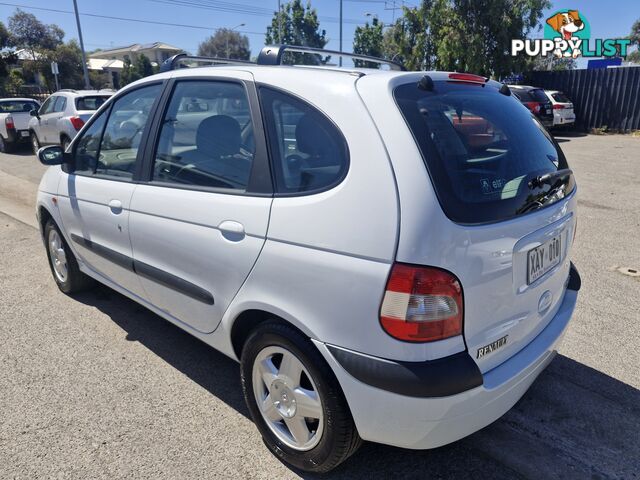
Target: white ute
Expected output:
[14,121]
[387,253]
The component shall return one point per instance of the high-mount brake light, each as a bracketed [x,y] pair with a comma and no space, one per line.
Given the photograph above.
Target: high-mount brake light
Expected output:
[421,304]
[467,78]
[77,122]
[9,123]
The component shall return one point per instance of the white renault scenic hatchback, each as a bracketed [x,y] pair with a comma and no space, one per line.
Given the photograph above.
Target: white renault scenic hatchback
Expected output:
[387,253]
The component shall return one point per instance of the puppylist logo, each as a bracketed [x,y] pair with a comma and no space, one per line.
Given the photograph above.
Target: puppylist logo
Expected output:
[567,34]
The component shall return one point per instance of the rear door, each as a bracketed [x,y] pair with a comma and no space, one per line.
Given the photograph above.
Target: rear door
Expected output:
[506,237]
[199,223]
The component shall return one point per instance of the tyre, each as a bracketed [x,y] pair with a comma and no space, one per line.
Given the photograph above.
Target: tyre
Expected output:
[295,400]
[6,146]
[64,143]
[64,266]
[35,143]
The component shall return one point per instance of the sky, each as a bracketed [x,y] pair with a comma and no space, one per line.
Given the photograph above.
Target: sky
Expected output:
[191,21]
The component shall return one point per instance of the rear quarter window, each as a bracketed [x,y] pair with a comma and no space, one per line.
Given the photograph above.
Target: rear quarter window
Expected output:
[481,148]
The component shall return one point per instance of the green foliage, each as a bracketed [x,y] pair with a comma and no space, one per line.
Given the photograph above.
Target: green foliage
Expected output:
[296,25]
[634,36]
[27,32]
[463,35]
[141,67]
[369,40]
[226,44]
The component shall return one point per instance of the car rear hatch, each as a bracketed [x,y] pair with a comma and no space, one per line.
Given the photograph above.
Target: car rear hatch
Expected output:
[88,104]
[506,222]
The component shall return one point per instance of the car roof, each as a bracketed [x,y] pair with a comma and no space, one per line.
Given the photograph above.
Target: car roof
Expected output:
[83,93]
[17,99]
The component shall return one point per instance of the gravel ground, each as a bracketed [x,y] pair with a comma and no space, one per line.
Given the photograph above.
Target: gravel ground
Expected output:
[96,386]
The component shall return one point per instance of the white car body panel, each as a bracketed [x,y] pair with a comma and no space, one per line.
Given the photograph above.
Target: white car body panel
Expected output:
[321,261]
[562,116]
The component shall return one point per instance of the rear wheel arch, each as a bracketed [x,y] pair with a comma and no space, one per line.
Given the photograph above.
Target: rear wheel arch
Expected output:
[247,321]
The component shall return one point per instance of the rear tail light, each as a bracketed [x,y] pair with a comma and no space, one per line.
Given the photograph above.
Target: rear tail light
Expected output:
[421,304]
[467,78]
[9,123]
[533,106]
[557,106]
[77,122]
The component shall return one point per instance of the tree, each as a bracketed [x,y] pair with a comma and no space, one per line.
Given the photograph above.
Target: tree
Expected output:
[141,67]
[368,40]
[296,25]
[634,36]
[463,35]
[6,58]
[28,32]
[226,44]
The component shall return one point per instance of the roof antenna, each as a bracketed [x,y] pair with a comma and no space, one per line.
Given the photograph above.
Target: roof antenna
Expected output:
[505,90]
[426,84]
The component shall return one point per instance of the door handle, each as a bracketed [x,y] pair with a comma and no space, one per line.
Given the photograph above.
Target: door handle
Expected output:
[115,206]
[231,230]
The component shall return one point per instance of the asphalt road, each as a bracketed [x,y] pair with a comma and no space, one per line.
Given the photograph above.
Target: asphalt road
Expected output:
[96,386]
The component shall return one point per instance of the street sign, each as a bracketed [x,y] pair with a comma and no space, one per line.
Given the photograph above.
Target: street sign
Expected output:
[54,68]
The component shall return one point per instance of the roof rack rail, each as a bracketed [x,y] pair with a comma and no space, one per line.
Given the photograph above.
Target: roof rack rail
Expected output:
[176,61]
[272,55]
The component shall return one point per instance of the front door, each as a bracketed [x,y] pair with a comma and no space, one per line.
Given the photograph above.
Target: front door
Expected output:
[197,227]
[95,196]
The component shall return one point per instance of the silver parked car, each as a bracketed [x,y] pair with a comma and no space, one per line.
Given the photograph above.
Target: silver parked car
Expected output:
[62,115]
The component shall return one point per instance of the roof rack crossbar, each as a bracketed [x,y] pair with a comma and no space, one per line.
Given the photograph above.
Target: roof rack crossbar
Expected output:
[273,54]
[175,62]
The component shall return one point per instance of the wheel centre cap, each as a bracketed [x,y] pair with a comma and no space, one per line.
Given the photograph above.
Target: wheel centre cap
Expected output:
[283,398]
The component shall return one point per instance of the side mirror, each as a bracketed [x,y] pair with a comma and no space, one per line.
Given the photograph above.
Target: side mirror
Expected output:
[34,113]
[52,155]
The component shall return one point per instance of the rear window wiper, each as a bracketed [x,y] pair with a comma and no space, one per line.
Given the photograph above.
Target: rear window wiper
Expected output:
[548,178]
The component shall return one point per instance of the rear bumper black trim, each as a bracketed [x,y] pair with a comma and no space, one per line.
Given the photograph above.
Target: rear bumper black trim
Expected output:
[144,270]
[574,281]
[435,378]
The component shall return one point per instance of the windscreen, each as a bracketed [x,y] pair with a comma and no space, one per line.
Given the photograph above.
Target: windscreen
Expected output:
[482,149]
[18,106]
[92,102]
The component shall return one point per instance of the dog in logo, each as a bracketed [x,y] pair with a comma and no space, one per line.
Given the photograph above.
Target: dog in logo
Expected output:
[566,24]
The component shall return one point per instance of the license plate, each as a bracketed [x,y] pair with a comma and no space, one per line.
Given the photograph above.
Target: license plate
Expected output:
[543,258]
[548,111]
[24,133]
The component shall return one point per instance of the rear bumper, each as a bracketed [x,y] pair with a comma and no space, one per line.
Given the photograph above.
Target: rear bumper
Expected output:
[14,135]
[387,411]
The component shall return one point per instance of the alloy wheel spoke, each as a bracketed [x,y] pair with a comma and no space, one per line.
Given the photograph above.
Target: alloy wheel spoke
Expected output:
[268,371]
[291,368]
[269,409]
[298,429]
[307,403]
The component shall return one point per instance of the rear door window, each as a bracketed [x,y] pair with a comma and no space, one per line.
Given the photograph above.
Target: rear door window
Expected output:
[309,153]
[481,149]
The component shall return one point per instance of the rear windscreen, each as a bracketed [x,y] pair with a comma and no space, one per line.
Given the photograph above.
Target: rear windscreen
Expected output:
[91,102]
[18,106]
[539,95]
[560,97]
[481,149]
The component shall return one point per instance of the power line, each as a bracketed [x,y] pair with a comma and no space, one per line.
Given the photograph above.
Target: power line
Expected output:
[125,19]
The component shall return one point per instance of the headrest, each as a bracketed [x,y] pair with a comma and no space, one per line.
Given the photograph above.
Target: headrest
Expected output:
[219,135]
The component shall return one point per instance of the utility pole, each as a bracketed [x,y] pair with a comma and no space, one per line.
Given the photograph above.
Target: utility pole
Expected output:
[340,32]
[279,25]
[87,84]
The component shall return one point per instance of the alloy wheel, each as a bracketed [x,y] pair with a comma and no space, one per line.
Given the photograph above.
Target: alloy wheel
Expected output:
[288,398]
[58,256]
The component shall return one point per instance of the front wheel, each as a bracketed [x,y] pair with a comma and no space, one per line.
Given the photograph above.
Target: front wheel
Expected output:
[35,143]
[63,263]
[295,400]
